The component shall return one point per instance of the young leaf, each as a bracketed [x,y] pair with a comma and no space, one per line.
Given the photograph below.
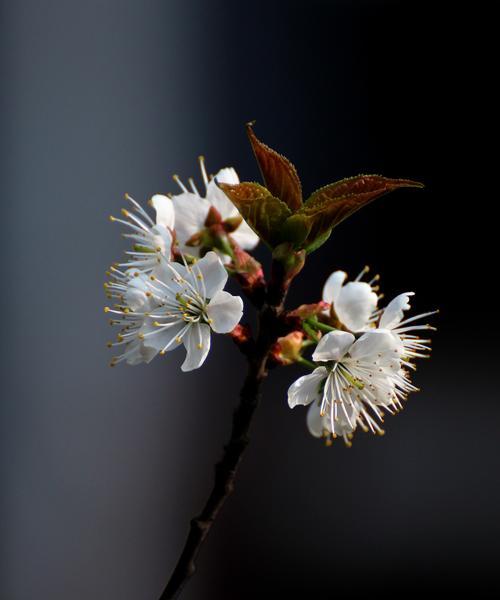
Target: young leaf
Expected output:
[261,210]
[330,205]
[278,172]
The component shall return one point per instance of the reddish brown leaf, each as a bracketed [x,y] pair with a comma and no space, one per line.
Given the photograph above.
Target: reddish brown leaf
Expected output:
[278,172]
[330,205]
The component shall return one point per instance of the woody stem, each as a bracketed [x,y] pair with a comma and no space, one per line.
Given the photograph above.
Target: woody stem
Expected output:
[227,467]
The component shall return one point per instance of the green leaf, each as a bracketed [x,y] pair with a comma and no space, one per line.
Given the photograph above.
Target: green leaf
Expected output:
[330,205]
[280,176]
[264,213]
[296,229]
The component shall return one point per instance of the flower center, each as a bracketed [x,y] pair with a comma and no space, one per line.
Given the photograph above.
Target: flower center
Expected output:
[191,308]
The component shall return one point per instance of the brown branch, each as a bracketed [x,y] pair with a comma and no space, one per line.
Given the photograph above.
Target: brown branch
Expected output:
[226,468]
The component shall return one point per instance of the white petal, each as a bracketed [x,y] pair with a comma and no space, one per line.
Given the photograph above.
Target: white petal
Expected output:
[162,239]
[218,198]
[213,272]
[245,236]
[165,214]
[347,411]
[164,339]
[333,346]
[315,422]
[306,389]
[333,286]
[137,353]
[170,274]
[135,298]
[190,214]
[135,295]
[343,424]
[394,311]
[197,343]
[228,175]
[224,312]
[354,305]
[376,345]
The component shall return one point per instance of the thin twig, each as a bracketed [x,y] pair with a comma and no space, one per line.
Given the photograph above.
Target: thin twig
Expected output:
[226,468]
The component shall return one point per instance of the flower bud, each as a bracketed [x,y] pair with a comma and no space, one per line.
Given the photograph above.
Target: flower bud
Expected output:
[288,348]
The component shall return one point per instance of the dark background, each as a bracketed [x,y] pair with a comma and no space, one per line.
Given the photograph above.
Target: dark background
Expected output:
[103,468]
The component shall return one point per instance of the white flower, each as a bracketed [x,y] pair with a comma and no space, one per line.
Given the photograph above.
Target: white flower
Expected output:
[355,303]
[191,210]
[131,289]
[150,240]
[391,320]
[360,375]
[319,424]
[175,304]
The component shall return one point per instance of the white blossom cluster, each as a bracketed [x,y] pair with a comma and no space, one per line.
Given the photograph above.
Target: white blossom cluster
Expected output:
[170,292]
[162,303]
[363,366]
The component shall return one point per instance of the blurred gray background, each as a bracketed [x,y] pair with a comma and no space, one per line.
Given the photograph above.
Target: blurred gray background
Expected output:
[101,469]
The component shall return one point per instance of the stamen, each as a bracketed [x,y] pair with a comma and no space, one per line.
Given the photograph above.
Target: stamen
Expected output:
[180,184]
[365,270]
[201,160]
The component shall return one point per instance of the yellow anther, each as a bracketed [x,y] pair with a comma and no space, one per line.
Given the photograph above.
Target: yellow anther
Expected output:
[109,344]
[106,309]
[200,276]
[111,218]
[119,338]
[140,336]
[125,212]
[178,339]
[163,352]
[199,346]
